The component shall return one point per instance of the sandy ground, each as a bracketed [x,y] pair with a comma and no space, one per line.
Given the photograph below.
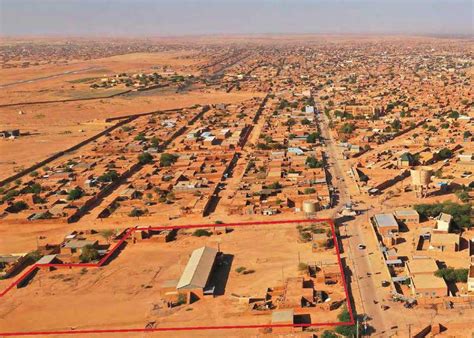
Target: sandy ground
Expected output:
[103,297]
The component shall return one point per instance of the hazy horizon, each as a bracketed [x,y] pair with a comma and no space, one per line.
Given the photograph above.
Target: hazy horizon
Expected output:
[234,17]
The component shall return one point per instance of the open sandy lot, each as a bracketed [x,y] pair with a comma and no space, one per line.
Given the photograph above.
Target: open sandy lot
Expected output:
[103,297]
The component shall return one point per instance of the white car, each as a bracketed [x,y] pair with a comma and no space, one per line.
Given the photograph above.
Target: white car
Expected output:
[361,247]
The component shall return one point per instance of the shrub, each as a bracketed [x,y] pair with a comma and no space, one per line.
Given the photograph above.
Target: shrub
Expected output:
[181,299]
[240,269]
[302,266]
[89,254]
[201,233]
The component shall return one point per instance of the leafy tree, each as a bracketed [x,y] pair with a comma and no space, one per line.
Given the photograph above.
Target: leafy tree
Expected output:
[453,275]
[155,142]
[461,212]
[145,158]
[308,191]
[453,114]
[462,195]
[396,125]
[35,188]
[136,213]
[89,254]
[347,128]
[313,137]
[34,173]
[305,122]
[346,331]
[275,185]
[467,134]
[312,162]
[18,206]
[444,153]
[140,137]
[167,160]
[328,334]
[108,176]
[75,194]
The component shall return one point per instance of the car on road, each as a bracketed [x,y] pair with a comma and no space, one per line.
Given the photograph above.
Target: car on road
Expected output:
[361,246]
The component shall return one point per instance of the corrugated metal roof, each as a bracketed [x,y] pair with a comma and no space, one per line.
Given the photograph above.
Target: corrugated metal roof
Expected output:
[46,259]
[196,273]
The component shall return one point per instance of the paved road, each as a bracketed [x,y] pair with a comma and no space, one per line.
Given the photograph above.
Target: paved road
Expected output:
[363,272]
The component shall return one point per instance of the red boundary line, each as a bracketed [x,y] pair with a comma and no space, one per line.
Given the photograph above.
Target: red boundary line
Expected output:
[127,234]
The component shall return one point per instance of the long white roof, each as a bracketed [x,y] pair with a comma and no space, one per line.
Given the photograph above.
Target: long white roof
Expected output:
[196,273]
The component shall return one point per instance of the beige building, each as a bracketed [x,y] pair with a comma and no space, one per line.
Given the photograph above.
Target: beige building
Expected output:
[444,242]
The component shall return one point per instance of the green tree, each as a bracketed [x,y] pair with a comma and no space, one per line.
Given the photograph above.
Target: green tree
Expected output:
[18,206]
[275,185]
[346,330]
[145,158]
[312,162]
[453,275]
[140,137]
[313,137]
[75,194]
[136,213]
[396,125]
[328,334]
[167,160]
[444,153]
[35,188]
[108,176]
[347,128]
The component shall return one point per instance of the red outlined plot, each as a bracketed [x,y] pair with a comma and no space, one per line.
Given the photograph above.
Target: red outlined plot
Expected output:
[23,277]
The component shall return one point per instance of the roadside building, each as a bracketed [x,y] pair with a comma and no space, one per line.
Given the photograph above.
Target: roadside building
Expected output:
[425,285]
[386,224]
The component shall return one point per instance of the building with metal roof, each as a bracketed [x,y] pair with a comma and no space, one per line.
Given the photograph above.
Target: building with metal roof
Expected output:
[198,270]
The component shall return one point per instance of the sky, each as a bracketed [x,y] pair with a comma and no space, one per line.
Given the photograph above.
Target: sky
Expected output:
[207,17]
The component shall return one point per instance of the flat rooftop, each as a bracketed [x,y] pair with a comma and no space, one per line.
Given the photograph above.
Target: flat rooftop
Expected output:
[385,220]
